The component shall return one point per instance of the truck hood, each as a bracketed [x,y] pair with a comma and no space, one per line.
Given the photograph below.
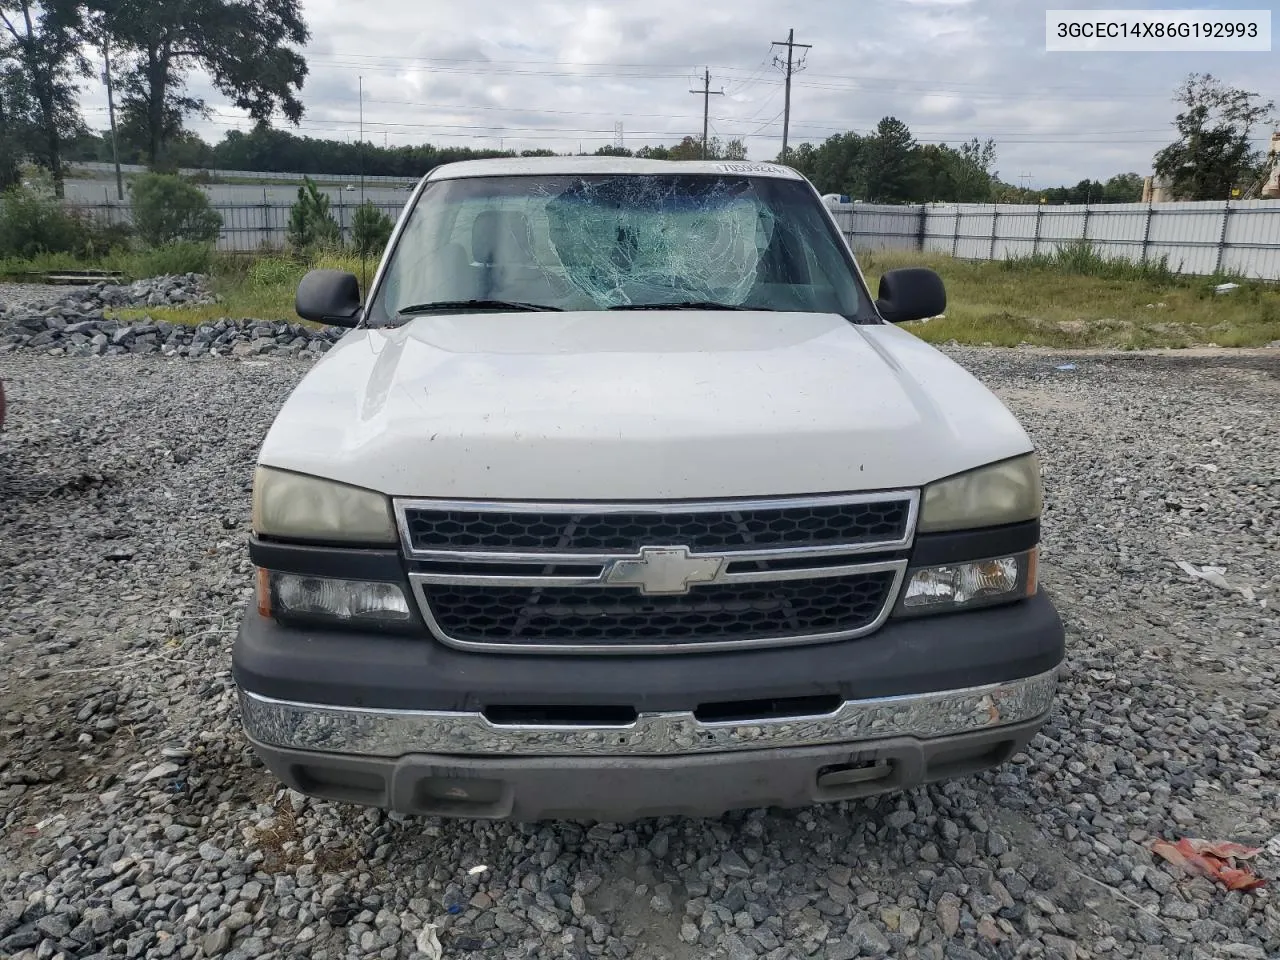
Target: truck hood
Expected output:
[637,406]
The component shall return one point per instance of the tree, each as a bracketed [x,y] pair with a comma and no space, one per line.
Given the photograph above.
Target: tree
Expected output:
[610,150]
[690,148]
[957,175]
[654,153]
[167,208]
[310,222]
[370,229]
[1213,152]
[835,166]
[16,111]
[42,59]
[1123,188]
[245,48]
[887,164]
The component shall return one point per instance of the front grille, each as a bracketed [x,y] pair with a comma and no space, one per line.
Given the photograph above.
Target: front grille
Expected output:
[611,617]
[702,530]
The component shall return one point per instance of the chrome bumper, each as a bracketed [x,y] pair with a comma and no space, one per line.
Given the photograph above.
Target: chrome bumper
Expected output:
[395,733]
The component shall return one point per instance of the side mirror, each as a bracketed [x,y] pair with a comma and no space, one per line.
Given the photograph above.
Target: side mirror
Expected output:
[329,296]
[911,293]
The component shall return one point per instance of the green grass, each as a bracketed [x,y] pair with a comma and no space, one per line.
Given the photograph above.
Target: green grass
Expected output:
[1075,299]
[261,288]
[133,264]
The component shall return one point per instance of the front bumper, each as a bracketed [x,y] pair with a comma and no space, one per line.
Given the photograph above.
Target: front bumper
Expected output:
[408,724]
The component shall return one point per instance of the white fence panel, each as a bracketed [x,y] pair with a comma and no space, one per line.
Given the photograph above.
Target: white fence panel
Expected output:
[1252,243]
[887,227]
[941,225]
[1240,237]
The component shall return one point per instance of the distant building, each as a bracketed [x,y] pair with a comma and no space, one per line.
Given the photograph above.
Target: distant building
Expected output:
[1155,190]
[1271,189]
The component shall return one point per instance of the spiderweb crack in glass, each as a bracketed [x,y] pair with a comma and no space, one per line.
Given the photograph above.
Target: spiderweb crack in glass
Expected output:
[705,244]
[702,531]
[717,612]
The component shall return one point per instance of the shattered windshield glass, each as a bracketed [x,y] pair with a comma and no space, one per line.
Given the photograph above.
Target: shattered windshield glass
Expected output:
[618,242]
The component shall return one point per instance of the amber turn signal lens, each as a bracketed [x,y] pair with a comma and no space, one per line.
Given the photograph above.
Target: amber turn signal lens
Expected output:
[264,593]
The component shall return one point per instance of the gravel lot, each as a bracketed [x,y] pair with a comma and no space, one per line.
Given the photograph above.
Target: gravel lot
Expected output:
[136,823]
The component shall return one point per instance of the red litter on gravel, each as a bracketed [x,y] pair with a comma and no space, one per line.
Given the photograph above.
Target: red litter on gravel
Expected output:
[1222,861]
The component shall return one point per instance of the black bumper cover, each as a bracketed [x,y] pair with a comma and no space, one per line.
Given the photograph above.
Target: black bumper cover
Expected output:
[378,671]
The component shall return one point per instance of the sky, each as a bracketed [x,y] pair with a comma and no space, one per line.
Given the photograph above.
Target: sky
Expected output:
[520,74]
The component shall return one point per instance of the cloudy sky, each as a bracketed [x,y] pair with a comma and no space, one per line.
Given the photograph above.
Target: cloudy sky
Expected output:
[534,73]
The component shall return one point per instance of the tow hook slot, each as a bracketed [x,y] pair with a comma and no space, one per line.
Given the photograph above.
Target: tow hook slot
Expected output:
[848,779]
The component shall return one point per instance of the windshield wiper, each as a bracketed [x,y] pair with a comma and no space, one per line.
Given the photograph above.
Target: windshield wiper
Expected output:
[684,305]
[473,304]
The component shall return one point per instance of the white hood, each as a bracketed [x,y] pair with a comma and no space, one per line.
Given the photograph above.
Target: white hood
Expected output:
[637,406]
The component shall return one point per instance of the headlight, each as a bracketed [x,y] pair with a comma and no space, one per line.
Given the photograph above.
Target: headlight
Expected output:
[961,586]
[294,506]
[291,595]
[1007,492]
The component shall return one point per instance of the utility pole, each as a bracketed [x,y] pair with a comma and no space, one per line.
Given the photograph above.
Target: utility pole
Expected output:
[361,141]
[706,92]
[791,67]
[111,115]
[364,253]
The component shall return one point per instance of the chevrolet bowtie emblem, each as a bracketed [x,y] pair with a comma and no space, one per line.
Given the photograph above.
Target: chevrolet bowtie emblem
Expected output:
[664,570]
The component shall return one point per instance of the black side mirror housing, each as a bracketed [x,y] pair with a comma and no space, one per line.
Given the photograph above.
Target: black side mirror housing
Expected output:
[911,293]
[329,296]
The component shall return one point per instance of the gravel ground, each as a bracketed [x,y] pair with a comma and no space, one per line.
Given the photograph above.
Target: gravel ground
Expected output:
[72,321]
[37,294]
[136,823]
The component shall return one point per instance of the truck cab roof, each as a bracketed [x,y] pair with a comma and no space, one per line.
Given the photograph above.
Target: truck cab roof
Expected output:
[608,166]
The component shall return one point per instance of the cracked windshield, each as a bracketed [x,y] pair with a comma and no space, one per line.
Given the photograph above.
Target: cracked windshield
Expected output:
[607,242]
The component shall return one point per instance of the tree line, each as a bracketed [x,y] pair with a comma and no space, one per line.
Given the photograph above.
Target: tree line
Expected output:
[885,166]
[249,51]
[265,149]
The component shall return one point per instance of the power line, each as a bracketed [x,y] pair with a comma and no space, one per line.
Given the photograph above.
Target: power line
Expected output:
[790,44]
[972,89]
[934,136]
[706,92]
[755,77]
[766,125]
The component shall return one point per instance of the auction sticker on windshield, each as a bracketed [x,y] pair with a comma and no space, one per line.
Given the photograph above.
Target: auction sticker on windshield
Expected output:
[752,168]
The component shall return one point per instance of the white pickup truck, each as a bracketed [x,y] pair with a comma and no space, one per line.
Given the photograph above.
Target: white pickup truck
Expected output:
[624,497]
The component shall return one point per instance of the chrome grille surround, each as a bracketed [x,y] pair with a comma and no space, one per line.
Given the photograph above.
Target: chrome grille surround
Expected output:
[659,571]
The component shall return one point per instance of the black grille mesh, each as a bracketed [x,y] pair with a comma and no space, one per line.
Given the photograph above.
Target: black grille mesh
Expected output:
[617,617]
[703,531]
